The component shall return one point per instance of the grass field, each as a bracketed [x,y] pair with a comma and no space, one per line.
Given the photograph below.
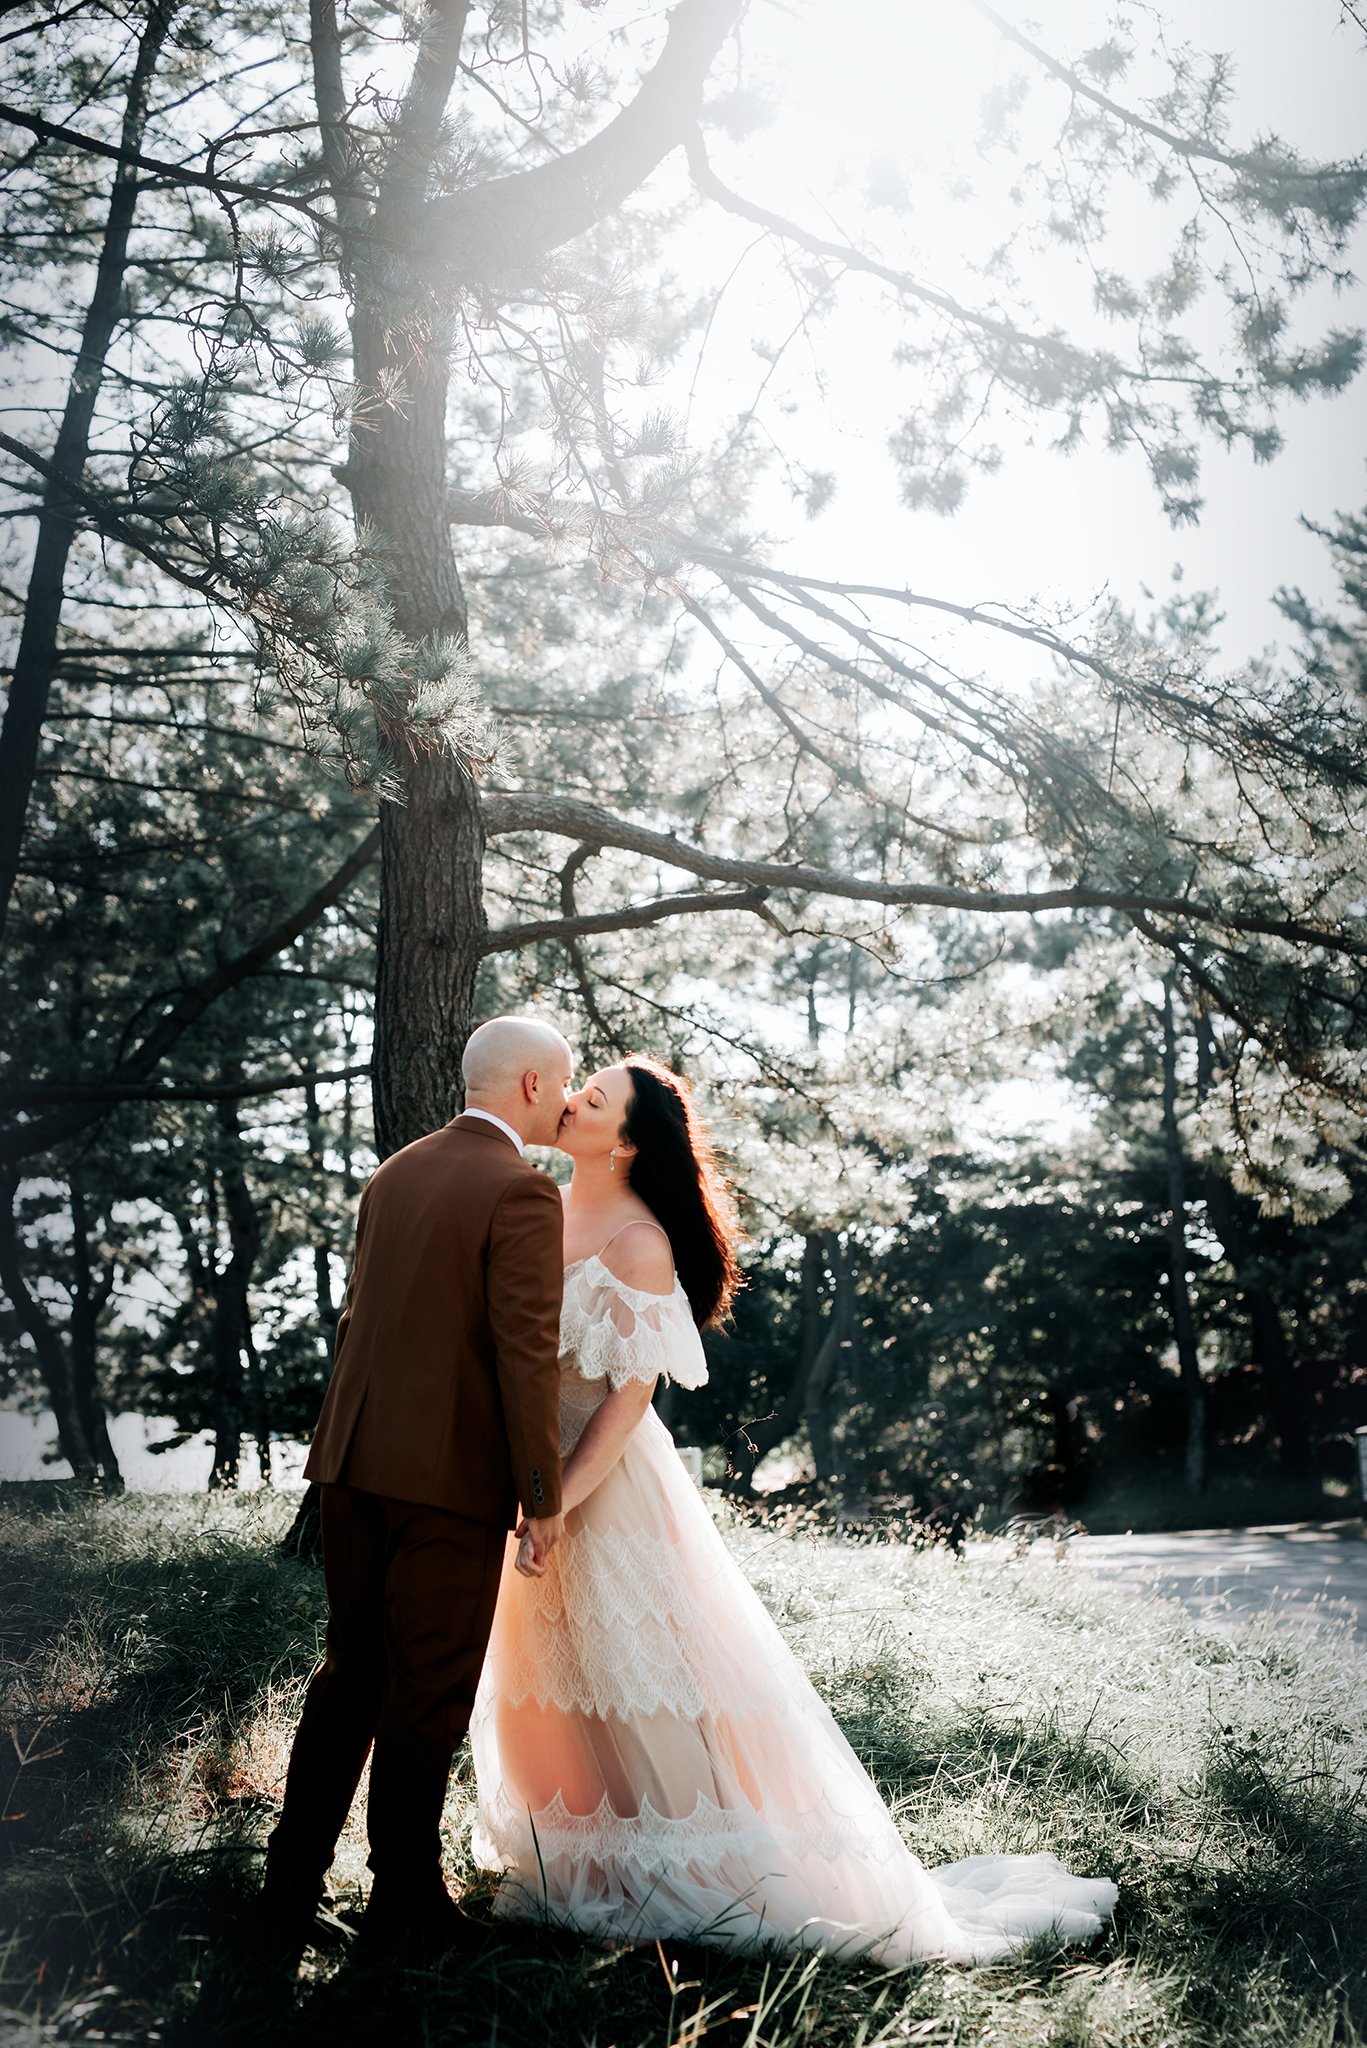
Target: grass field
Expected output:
[155,1650]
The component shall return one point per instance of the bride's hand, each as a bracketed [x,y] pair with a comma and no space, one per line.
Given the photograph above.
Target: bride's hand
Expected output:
[523,1562]
[535,1542]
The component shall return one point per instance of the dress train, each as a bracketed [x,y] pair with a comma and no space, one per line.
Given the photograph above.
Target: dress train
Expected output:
[652,1761]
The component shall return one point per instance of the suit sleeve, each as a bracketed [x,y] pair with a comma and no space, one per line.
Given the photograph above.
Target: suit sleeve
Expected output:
[525,1282]
[344,1319]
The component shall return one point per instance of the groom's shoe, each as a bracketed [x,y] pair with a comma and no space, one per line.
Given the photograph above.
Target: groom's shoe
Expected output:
[293,1914]
[399,1921]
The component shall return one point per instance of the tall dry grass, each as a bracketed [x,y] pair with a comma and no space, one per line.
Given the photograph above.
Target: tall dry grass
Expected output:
[155,1650]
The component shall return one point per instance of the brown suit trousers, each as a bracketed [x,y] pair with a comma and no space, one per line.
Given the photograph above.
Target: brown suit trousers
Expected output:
[442,1413]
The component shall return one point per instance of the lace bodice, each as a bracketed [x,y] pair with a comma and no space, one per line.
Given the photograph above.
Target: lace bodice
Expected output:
[612,1332]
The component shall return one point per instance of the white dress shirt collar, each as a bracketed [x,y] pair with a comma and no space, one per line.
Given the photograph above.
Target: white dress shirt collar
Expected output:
[498,1124]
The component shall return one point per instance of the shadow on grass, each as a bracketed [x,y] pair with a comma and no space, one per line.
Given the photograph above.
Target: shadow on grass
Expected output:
[164,1950]
[1241,1895]
[131,1677]
[1263,1914]
[1257,1894]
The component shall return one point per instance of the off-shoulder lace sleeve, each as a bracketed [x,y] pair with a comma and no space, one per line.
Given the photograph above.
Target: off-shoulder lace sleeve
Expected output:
[618,1333]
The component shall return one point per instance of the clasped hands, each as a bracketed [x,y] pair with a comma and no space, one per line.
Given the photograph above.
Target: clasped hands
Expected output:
[536,1539]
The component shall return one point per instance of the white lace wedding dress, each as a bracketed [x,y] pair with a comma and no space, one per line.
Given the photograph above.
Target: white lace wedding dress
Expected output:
[651,1758]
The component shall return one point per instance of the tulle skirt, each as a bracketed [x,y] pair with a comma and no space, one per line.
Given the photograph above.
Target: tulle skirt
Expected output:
[652,1761]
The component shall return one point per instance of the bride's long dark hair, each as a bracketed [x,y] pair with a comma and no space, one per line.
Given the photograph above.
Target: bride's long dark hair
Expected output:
[675,1172]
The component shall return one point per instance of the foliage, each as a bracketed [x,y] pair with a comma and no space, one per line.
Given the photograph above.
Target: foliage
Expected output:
[779,827]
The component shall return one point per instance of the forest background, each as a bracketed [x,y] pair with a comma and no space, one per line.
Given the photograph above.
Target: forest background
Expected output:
[636,512]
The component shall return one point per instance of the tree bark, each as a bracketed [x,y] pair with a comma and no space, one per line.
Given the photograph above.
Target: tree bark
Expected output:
[1271,1351]
[258,1409]
[36,659]
[53,1361]
[823,1369]
[1065,1459]
[232,1312]
[836,1358]
[90,1294]
[328,1311]
[431,939]
[758,1438]
[432,922]
[1183,1322]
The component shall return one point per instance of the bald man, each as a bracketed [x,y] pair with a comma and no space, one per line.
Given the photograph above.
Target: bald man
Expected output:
[442,1415]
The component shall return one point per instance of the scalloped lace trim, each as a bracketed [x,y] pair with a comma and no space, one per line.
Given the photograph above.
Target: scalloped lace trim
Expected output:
[618,1333]
[704,1839]
[615,1631]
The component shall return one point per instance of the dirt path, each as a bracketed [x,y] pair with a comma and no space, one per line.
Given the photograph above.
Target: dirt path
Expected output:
[1301,1570]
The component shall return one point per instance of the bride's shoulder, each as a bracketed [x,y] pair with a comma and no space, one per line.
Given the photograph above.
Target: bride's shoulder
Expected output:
[639,1255]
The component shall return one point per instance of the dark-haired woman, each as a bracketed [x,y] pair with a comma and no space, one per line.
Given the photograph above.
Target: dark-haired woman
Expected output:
[652,1761]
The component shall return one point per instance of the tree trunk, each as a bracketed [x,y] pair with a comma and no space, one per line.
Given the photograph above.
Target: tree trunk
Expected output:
[406,258]
[304,1537]
[1183,1322]
[328,1311]
[815,1408]
[430,942]
[1271,1351]
[823,1370]
[258,1413]
[232,1312]
[1065,1459]
[432,922]
[53,1361]
[89,1297]
[36,659]
[759,1437]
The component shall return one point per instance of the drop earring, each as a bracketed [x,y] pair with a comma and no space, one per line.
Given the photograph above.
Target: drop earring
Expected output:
[612,1160]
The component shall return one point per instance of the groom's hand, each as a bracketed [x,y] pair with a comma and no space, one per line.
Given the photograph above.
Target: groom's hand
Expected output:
[536,1539]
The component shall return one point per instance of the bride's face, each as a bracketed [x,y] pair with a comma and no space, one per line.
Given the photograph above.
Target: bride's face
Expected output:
[591,1127]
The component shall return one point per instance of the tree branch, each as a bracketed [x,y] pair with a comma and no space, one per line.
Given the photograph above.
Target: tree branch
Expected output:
[510,224]
[1188,146]
[35,661]
[710,185]
[567,817]
[574,952]
[329,95]
[175,174]
[24,1140]
[417,130]
[44,1092]
[510,938]
[491,508]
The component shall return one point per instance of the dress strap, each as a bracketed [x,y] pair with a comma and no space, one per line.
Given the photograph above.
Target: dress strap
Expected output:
[635,1224]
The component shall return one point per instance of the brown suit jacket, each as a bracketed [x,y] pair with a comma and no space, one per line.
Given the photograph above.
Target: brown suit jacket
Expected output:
[445,1383]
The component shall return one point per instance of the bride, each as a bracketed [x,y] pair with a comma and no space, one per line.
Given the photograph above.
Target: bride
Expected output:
[651,1759]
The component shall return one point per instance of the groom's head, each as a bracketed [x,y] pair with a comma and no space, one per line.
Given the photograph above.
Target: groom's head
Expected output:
[521,1070]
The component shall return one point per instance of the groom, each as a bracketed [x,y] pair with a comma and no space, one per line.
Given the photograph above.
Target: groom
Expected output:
[441,1416]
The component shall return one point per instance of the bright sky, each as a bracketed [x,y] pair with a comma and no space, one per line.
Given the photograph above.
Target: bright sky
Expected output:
[905,80]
